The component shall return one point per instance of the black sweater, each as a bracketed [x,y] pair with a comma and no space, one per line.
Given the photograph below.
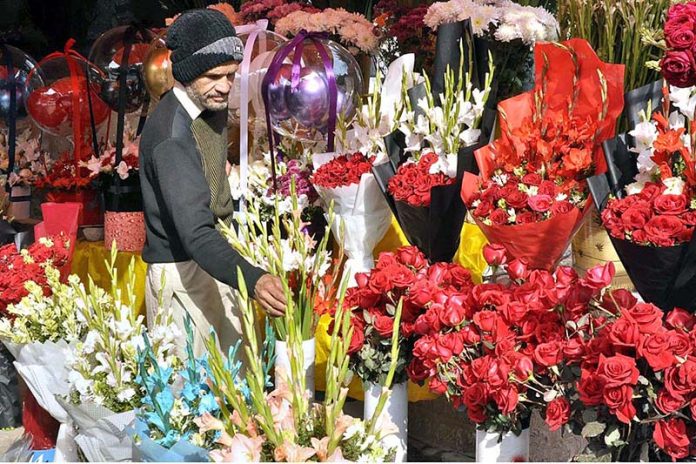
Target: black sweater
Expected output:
[176,199]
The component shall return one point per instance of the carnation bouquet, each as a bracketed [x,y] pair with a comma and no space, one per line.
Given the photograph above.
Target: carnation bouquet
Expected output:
[352,30]
[499,348]
[283,425]
[634,382]
[421,179]
[551,142]
[502,31]
[40,331]
[103,388]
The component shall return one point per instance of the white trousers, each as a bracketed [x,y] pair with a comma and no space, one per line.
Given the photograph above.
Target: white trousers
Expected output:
[188,289]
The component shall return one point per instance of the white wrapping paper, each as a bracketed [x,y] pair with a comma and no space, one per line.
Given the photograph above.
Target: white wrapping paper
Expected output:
[364,213]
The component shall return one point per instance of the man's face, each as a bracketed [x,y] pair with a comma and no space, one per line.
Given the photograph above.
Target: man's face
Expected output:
[212,89]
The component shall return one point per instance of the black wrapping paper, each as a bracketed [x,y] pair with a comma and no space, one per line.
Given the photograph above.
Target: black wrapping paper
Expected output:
[10,405]
[664,276]
[122,195]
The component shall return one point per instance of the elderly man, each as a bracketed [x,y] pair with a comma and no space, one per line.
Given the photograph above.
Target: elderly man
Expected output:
[183,154]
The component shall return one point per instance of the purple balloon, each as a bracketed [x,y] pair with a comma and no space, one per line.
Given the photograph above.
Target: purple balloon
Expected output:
[309,101]
[276,94]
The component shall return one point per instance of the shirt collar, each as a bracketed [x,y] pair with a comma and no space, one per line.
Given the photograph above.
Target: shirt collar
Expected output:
[191,107]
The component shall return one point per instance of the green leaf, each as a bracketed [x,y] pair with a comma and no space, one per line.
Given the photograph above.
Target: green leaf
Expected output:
[613,436]
[592,429]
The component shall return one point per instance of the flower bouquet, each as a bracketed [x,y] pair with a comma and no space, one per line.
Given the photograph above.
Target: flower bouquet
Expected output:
[633,391]
[401,282]
[502,31]
[646,202]
[551,142]
[273,10]
[439,139]
[284,425]
[401,27]
[40,331]
[499,348]
[123,204]
[103,388]
[301,263]
[166,426]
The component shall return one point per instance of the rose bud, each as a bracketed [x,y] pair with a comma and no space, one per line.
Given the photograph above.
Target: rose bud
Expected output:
[494,254]
[517,269]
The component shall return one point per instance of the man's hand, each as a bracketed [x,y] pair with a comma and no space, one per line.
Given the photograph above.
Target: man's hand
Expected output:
[270,295]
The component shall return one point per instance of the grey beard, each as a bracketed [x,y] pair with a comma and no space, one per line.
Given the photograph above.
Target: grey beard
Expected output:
[201,101]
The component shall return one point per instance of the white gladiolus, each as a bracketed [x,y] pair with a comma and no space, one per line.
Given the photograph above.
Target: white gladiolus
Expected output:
[675,186]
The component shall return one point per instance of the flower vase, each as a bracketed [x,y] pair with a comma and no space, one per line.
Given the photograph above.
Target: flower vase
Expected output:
[511,448]
[283,361]
[20,202]
[124,221]
[395,411]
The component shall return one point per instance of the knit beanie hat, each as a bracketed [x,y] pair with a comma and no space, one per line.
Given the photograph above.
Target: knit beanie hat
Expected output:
[201,40]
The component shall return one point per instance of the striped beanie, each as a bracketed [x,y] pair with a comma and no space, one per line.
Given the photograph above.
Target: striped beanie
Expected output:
[201,40]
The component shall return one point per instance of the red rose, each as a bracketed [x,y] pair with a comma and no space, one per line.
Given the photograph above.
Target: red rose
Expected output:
[437,386]
[507,399]
[655,349]
[562,207]
[668,403]
[516,199]
[677,28]
[532,179]
[600,276]
[679,343]
[527,217]
[680,380]
[618,299]
[460,277]
[574,350]
[384,325]
[429,322]
[557,413]
[617,370]
[680,319]
[483,209]
[357,341]
[619,399]
[625,334]
[499,217]
[452,314]
[692,408]
[647,317]
[548,354]
[590,388]
[411,256]
[678,68]
[635,218]
[495,254]
[400,276]
[416,371]
[517,269]
[547,188]
[476,395]
[523,368]
[380,282]
[515,311]
[670,436]
[485,320]
[670,204]
[540,203]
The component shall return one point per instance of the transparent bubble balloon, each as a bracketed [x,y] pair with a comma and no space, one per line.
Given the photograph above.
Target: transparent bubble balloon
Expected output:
[17,65]
[50,102]
[262,52]
[157,68]
[108,53]
[301,111]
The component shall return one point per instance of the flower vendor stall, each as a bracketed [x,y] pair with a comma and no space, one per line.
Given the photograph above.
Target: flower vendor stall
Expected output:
[468,226]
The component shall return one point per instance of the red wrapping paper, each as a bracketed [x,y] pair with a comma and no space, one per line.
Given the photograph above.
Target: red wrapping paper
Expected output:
[91,213]
[542,244]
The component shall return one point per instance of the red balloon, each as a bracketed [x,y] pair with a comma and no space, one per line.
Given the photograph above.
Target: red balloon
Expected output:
[51,106]
[137,54]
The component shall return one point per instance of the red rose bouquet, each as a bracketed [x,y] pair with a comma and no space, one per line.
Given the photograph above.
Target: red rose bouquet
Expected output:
[406,277]
[18,267]
[648,205]
[422,179]
[551,136]
[678,66]
[500,349]
[361,214]
[635,395]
